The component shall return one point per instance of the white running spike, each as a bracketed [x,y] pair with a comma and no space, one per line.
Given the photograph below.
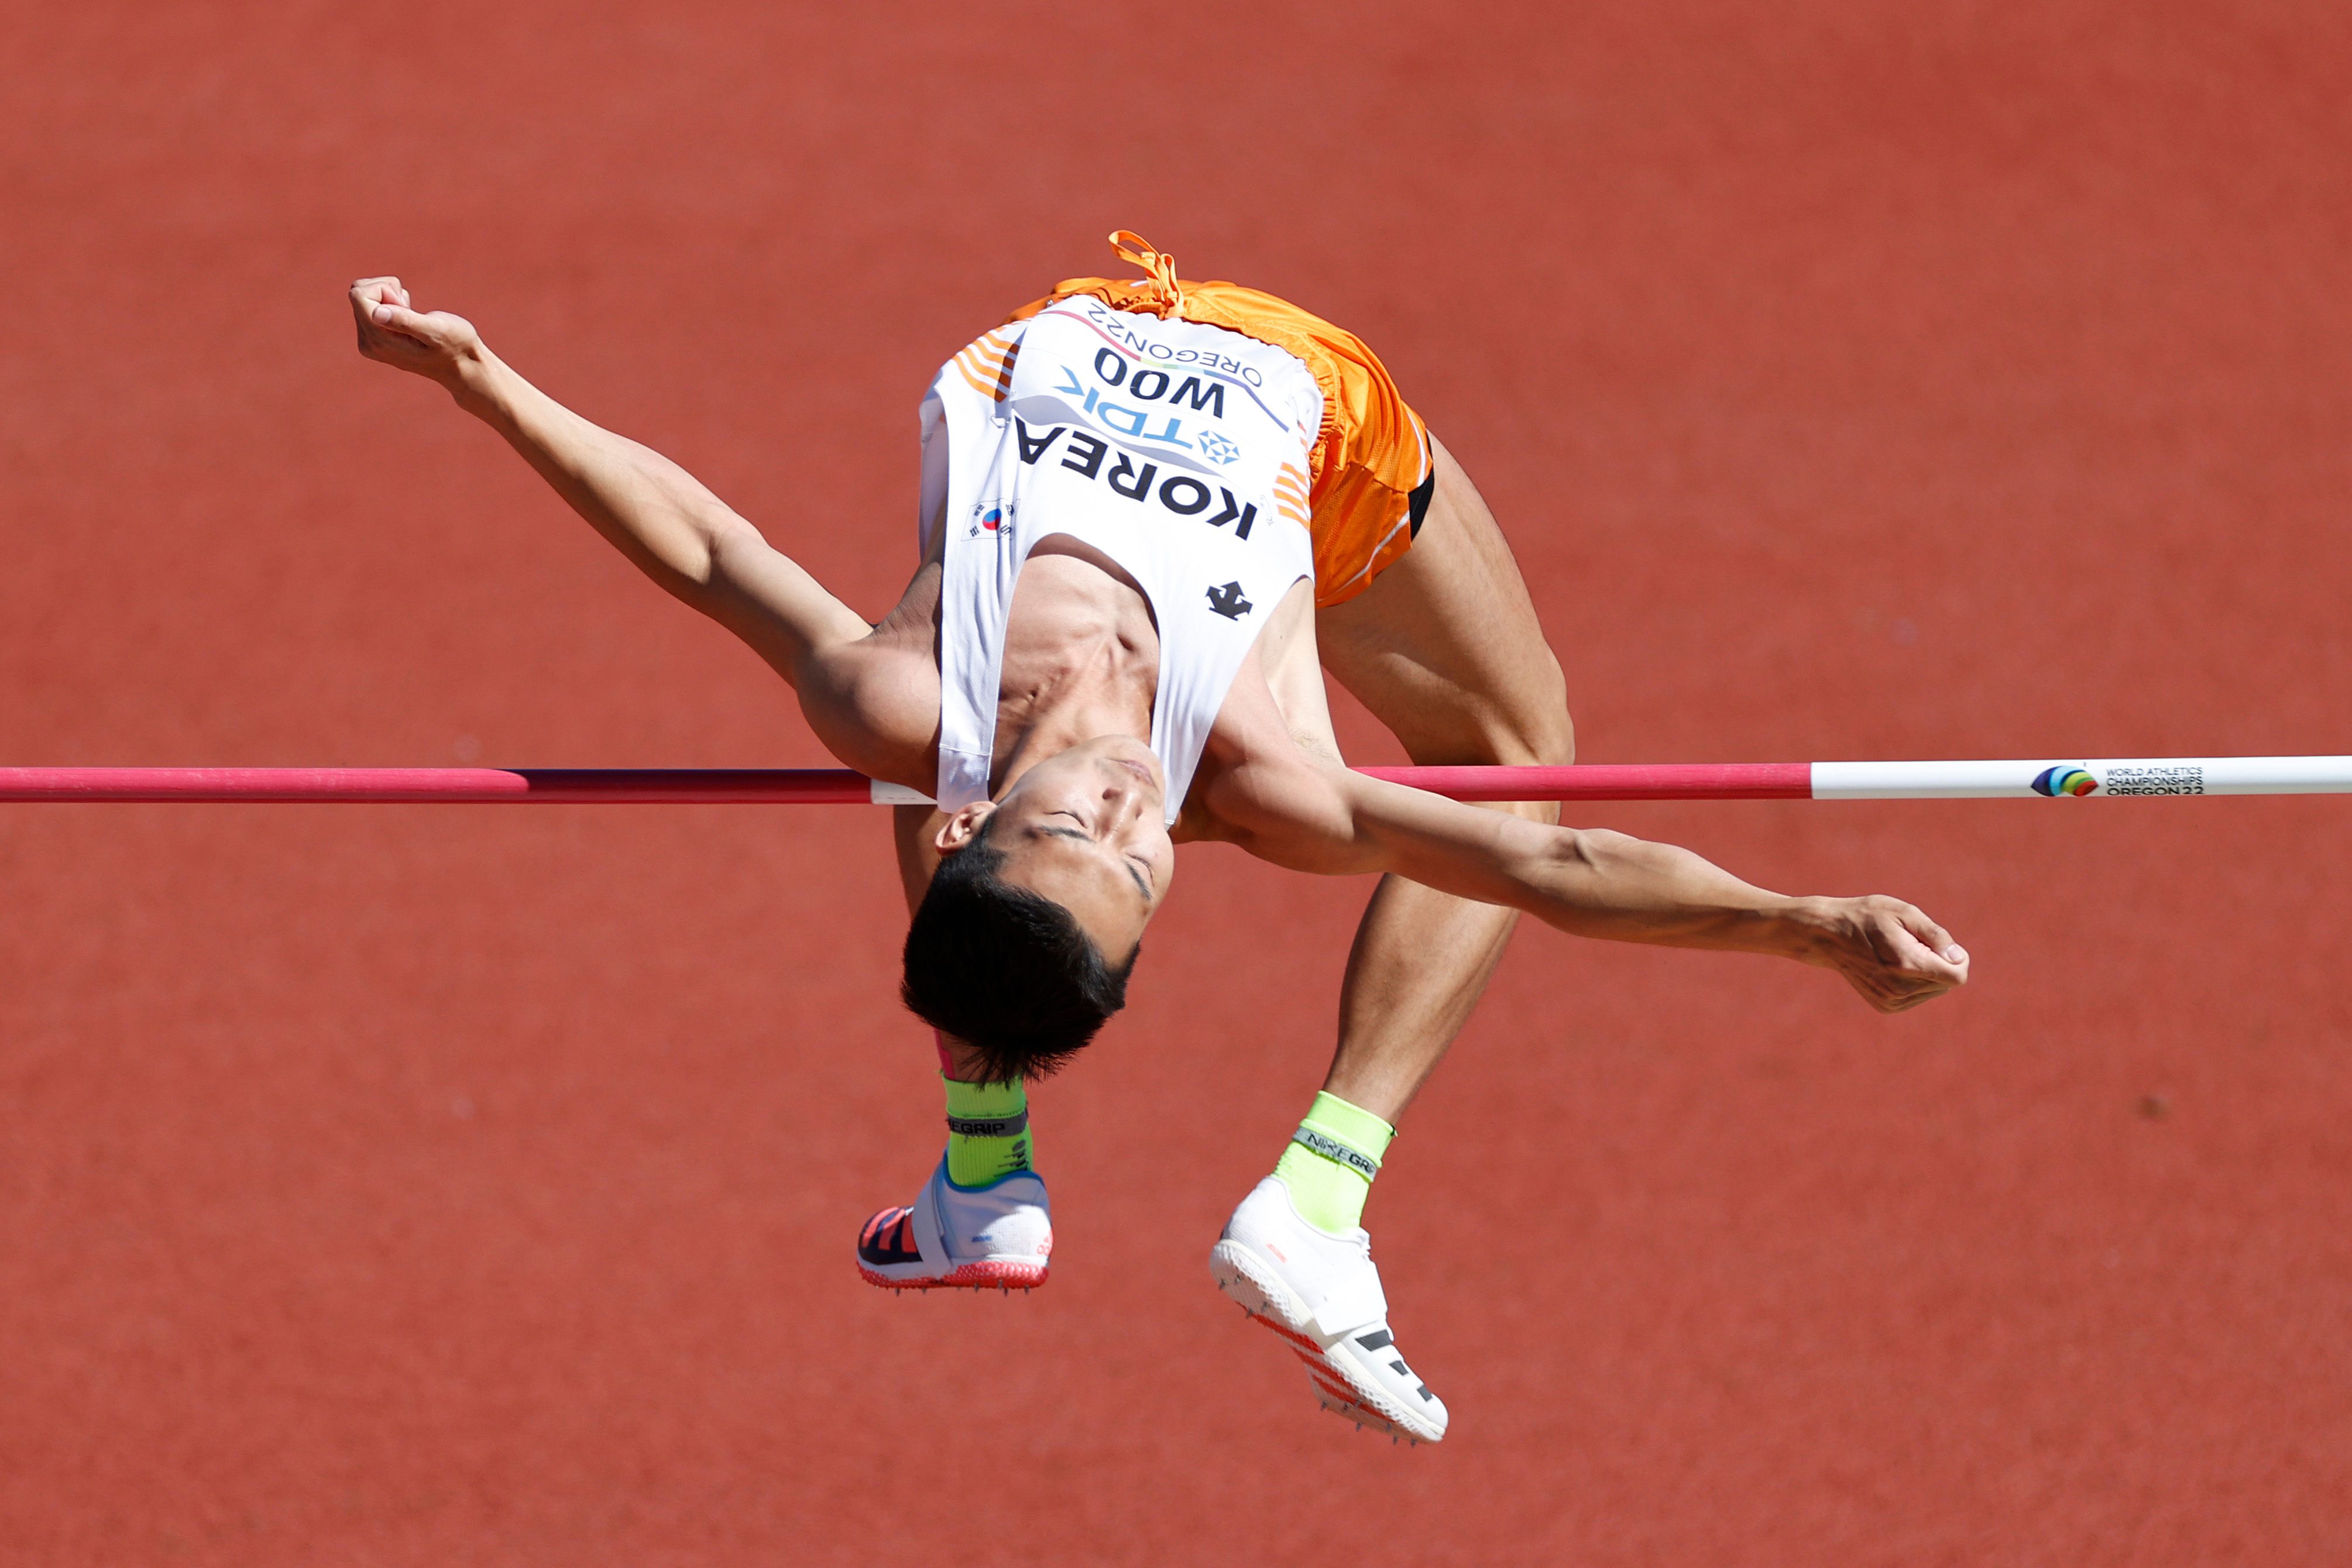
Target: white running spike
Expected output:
[1323,1291]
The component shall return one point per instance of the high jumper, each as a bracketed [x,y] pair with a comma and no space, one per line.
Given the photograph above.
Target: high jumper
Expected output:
[1154,513]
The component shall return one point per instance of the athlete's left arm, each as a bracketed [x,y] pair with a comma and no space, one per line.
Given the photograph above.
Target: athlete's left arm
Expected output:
[1313,817]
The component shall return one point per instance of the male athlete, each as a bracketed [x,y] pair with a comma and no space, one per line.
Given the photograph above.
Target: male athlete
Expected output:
[1150,510]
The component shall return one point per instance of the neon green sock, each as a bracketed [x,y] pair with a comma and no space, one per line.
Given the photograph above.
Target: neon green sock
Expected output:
[1331,1161]
[988,1130]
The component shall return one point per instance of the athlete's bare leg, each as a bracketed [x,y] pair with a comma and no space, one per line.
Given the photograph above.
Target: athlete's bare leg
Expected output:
[1445,649]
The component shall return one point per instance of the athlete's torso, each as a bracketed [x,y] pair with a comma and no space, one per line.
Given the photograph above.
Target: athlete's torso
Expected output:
[1161,459]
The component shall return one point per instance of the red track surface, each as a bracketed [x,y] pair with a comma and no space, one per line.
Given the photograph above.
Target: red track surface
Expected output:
[404,1187]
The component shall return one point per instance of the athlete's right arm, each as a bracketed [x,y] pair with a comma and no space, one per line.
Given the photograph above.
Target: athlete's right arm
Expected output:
[659,516]
[1299,812]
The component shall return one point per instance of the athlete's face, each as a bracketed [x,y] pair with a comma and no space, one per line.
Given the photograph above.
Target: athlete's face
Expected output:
[1084,828]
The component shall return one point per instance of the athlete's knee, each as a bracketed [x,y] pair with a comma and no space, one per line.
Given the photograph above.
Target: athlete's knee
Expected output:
[1533,737]
[1542,734]
[1556,737]
[1559,749]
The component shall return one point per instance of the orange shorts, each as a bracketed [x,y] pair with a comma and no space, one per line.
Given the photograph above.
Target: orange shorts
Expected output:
[1370,473]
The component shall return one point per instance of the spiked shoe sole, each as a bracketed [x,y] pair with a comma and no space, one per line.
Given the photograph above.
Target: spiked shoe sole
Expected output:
[984,1275]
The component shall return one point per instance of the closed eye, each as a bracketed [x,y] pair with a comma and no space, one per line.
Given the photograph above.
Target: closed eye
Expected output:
[1139,867]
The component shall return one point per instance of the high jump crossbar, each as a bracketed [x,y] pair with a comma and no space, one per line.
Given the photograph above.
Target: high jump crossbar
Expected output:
[2023,779]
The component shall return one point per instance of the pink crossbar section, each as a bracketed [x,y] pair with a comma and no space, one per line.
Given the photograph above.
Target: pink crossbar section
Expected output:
[445,786]
[806,785]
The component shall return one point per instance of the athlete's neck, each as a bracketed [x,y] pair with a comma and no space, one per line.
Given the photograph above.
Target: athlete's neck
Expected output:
[1058,720]
[1081,660]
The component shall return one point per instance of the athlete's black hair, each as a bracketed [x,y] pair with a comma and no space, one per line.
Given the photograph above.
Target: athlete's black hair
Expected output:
[1008,971]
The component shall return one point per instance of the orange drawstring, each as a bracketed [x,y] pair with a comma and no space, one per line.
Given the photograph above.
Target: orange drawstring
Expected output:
[1137,251]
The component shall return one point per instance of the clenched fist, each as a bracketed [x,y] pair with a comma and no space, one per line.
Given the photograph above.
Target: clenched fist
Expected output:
[437,345]
[1886,949]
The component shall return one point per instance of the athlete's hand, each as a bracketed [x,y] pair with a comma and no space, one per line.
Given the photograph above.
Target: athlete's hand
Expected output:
[1886,949]
[437,344]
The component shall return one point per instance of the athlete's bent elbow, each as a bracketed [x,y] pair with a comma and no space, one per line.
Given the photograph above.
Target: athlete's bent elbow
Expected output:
[731,548]
[1583,850]
[1572,869]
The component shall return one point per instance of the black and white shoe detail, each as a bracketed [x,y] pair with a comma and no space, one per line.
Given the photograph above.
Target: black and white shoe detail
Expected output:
[1322,1295]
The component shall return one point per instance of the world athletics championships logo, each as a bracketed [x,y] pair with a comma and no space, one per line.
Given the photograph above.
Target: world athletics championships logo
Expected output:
[2063,781]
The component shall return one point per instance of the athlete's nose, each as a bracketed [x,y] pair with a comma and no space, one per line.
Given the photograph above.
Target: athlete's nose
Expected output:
[1122,797]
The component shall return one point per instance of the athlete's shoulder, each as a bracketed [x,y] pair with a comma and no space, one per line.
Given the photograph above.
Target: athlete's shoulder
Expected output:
[1281,805]
[875,702]
[1259,786]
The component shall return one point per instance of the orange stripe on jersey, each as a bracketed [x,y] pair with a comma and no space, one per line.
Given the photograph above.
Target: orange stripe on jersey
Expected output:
[987,372]
[971,378]
[1290,496]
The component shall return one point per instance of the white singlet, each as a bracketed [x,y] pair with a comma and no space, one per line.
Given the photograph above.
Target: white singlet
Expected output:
[1178,450]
